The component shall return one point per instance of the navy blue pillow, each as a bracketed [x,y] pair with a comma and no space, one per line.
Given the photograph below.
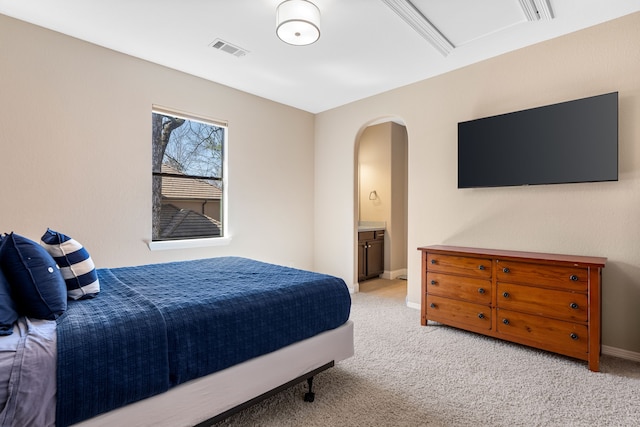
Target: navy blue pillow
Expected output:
[8,313]
[37,286]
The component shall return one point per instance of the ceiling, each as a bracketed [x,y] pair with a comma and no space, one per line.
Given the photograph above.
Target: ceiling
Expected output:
[365,48]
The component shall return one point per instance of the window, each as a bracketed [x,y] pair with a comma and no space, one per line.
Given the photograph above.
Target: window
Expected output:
[187,174]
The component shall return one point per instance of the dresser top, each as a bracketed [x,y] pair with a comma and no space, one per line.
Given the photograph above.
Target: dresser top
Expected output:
[577,260]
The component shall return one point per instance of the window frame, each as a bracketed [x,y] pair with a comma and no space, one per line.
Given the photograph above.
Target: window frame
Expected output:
[198,242]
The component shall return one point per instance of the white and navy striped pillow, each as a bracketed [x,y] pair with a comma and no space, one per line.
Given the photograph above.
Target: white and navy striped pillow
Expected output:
[76,266]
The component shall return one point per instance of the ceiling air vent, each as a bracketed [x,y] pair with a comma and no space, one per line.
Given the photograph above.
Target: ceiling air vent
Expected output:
[229,48]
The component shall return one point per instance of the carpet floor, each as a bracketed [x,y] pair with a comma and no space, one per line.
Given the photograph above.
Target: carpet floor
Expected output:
[405,374]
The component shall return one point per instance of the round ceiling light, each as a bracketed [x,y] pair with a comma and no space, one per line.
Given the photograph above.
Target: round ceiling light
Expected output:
[298,22]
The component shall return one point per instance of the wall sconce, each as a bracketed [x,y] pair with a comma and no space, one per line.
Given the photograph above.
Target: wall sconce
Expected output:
[298,22]
[373,195]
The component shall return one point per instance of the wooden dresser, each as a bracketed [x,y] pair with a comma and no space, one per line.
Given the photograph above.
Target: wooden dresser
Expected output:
[547,301]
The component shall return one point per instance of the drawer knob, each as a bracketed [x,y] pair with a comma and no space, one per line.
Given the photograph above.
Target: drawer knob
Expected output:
[481,267]
[505,270]
[573,336]
[480,315]
[505,321]
[433,282]
[505,294]
[573,305]
[432,305]
[481,290]
[573,277]
[433,261]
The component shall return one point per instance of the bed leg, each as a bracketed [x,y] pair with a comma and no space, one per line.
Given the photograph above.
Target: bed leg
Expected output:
[310,395]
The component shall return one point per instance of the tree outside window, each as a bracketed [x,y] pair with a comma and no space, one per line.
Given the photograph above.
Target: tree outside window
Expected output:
[187,177]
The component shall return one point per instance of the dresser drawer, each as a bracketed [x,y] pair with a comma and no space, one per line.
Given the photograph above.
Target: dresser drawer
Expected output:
[459,287]
[458,313]
[544,302]
[571,339]
[569,278]
[469,266]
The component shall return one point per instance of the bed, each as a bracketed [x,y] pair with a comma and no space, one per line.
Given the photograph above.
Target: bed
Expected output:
[179,344]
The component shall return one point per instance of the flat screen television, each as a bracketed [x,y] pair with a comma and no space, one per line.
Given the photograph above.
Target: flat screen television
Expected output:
[570,142]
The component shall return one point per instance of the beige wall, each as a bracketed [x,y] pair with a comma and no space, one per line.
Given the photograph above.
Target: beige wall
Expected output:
[75,152]
[398,231]
[599,219]
[374,162]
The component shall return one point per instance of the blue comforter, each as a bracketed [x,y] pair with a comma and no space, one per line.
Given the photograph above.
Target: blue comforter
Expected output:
[156,326]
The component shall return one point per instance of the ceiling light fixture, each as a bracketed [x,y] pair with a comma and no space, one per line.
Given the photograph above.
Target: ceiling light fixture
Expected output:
[416,20]
[298,22]
[536,10]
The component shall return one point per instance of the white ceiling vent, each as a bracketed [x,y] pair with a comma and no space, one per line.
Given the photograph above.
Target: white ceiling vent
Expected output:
[229,48]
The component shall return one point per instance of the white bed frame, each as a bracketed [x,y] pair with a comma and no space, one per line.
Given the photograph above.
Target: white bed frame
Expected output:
[202,399]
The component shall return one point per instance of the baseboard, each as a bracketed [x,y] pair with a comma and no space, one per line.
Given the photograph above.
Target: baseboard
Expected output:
[413,305]
[390,275]
[621,353]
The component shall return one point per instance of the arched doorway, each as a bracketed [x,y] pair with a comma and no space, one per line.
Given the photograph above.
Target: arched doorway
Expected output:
[381,198]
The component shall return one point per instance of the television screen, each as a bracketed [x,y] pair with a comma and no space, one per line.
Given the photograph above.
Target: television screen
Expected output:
[569,142]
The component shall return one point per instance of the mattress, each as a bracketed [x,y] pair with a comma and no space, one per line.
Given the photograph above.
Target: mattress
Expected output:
[203,398]
[157,326]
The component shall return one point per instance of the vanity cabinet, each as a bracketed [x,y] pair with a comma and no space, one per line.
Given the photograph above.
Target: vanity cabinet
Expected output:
[370,254]
[547,301]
